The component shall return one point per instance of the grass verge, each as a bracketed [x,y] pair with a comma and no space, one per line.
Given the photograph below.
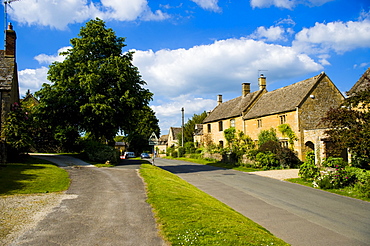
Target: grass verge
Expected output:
[216,164]
[32,175]
[346,191]
[188,216]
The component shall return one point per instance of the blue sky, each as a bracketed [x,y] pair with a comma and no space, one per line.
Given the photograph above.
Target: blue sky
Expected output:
[189,51]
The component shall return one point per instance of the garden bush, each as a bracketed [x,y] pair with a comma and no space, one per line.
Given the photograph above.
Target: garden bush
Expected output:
[287,158]
[98,152]
[308,170]
[266,160]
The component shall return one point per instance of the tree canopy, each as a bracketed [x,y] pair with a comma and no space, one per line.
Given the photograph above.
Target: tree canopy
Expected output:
[349,127]
[96,90]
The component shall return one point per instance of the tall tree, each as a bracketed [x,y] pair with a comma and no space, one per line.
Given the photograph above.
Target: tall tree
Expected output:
[96,89]
[350,127]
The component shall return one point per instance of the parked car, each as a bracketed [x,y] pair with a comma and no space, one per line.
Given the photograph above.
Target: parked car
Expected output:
[144,156]
[127,155]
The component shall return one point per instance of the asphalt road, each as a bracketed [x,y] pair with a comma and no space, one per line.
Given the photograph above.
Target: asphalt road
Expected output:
[297,214]
[104,206]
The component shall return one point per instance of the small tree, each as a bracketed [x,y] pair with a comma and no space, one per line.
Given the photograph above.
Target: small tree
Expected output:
[267,135]
[350,128]
[287,131]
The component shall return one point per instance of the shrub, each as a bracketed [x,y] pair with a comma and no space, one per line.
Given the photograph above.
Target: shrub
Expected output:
[308,170]
[266,160]
[181,151]
[287,158]
[98,152]
[174,154]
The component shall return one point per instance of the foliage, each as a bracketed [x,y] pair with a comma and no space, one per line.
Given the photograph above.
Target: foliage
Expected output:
[96,89]
[267,135]
[266,160]
[189,127]
[287,131]
[142,124]
[349,127]
[189,147]
[98,152]
[181,151]
[17,129]
[286,157]
[238,142]
[308,170]
[188,216]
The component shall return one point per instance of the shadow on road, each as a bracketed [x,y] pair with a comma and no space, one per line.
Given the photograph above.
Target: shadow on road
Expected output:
[176,169]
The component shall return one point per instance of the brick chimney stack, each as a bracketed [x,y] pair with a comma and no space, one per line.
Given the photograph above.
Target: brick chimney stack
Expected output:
[10,38]
[262,82]
[246,89]
[219,99]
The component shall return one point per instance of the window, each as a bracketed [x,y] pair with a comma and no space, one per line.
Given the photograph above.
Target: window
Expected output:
[209,128]
[221,143]
[232,123]
[220,126]
[284,144]
[259,123]
[282,119]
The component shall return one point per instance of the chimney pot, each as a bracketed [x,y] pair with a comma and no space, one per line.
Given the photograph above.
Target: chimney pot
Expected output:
[219,99]
[262,82]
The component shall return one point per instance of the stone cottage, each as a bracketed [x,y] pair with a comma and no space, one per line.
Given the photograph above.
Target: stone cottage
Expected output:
[9,91]
[300,105]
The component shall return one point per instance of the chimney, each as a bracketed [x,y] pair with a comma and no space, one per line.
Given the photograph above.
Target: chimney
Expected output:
[246,89]
[262,82]
[10,38]
[219,99]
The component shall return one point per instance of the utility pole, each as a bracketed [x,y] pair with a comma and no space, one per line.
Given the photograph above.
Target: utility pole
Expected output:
[182,128]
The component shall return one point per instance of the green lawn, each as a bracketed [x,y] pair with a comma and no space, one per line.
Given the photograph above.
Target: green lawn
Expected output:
[188,216]
[32,176]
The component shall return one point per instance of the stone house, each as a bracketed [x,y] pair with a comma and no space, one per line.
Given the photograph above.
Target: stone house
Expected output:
[161,147]
[172,136]
[230,113]
[300,105]
[9,91]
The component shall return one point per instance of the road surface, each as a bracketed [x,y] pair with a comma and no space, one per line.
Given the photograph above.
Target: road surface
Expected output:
[297,214]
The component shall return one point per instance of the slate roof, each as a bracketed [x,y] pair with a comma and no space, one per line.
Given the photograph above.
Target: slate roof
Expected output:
[163,140]
[198,130]
[175,131]
[362,84]
[7,71]
[283,99]
[232,108]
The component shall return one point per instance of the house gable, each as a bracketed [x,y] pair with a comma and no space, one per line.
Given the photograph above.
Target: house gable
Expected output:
[362,84]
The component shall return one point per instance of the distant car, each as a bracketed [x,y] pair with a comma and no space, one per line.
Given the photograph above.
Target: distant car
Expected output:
[127,155]
[144,155]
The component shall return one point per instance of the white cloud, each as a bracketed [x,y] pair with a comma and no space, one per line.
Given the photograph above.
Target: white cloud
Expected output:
[338,36]
[58,14]
[218,68]
[48,59]
[273,33]
[287,4]
[32,79]
[170,114]
[208,5]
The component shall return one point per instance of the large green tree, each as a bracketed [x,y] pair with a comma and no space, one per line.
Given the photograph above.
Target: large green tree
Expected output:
[96,89]
[349,127]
